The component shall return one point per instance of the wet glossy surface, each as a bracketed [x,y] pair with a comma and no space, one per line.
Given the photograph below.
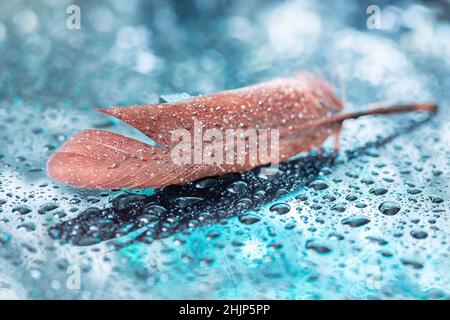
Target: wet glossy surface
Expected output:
[372,222]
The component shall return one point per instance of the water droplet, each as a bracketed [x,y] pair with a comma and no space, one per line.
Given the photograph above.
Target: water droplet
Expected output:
[28,226]
[378,191]
[281,192]
[436,199]
[280,208]
[317,247]
[249,218]
[47,207]
[154,209]
[92,199]
[74,201]
[319,185]
[237,243]
[367,181]
[336,236]
[184,202]
[418,234]
[338,207]
[206,183]
[377,240]
[412,263]
[302,197]
[22,209]
[127,201]
[356,221]
[237,187]
[389,208]
[5,237]
[244,203]
[414,191]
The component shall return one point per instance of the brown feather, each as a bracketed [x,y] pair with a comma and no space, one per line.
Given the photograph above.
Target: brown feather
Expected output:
[303,108]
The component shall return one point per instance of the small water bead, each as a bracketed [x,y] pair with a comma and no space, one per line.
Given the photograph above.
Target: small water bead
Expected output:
[248,218]
[386,253]
[213,234]
[206,183]
[59,214]
[280,208]
[290,226]
[89,241]
[114,165]
[326,171]
[183,202]
[238,187]
[22,209]
[317,247]
[154,209]
[436,294]
[204,216]
[47,207]
[5,237]
[418,234]
[275,246]
[302,197]
[319,185]
[338,207]
[410,184]
[244,203]
[352,175]
[356,221]
[74,201]
[281,192]
[336,236]
[127,201]
[436,199]
[411,263]
[377,240]
[28,226]
[237,243]
[259,195]
[354,187]
[329,198]
[372,152]
[367,181]
[389,208]
[378,191]
[351,197]
[268,173]
[92,199]
[414,191]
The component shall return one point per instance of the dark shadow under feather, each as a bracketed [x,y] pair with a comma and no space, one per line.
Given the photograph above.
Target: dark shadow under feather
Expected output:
[188,206]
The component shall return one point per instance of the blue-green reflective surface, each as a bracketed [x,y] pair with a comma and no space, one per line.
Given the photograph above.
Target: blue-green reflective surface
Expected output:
[372,223]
